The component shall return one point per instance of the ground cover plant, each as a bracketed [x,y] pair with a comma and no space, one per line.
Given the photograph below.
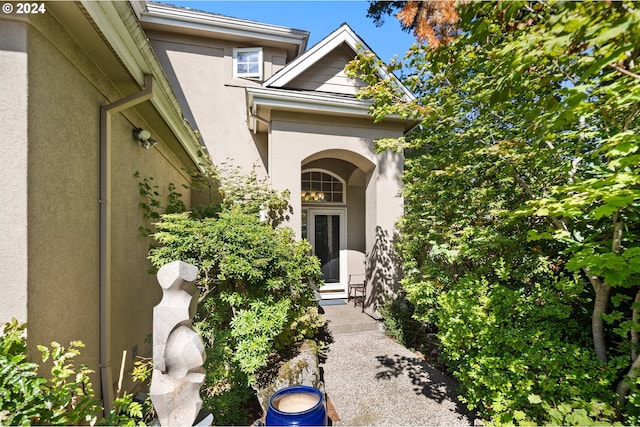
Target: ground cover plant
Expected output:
[520,234]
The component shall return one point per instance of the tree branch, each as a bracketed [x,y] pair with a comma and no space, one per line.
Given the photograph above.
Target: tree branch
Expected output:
[634,331]
[623,71]
[624,385]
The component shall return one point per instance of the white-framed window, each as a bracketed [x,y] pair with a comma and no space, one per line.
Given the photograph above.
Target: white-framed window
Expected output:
[247,62]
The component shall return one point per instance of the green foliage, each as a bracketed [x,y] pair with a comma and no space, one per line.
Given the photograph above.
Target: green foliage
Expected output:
[151,206]
[255,300]
[226,186]
[516,342]
[524,176]
[399,322]
[129,412]
[632,409]
[65,397]
[254,195]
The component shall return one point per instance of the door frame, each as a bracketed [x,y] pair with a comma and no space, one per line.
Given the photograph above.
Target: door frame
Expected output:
[331,290]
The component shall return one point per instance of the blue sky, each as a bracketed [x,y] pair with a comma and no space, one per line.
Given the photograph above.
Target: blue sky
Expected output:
[318,17]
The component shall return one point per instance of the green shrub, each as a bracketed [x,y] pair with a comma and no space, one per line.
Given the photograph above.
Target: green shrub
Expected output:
[65,397]
[400,324]
[255,297]
[129,412]
[517,353]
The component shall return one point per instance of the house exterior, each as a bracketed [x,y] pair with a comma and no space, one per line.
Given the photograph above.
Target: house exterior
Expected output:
[78,82]
[76,79]
[261,100]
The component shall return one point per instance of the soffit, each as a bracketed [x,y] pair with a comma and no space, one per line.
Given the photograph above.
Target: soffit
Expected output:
[82,30]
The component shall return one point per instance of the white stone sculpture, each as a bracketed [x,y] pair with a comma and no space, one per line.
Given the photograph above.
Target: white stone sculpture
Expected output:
[178,352]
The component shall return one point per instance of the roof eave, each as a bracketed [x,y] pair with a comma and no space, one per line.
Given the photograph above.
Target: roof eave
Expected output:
[307,102]
[119,26]
[219,25]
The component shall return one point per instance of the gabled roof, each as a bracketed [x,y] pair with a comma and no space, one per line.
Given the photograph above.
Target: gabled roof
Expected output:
[344,34]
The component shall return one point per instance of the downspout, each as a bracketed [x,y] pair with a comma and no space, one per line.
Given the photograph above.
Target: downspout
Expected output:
[106,376]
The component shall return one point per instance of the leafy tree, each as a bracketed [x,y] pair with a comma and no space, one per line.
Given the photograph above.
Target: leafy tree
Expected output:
[526,164]
[432,21]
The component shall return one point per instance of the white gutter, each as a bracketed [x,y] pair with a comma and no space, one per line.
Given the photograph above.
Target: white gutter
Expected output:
[304,101]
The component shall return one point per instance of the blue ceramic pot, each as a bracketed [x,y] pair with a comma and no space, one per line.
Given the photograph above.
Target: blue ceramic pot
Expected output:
[297,405]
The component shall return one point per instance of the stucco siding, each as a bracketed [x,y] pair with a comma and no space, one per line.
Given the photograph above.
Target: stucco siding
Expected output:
[293,141]
[13,173]
[202,71]
[63,191]
[134,291]
[53,173]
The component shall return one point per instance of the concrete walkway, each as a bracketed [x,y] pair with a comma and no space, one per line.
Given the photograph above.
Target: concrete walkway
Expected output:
[372,380]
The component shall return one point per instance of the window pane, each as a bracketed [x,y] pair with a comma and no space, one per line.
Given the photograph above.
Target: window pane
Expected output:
[304,223]
[247,56]
[254,68]
[318,184]
[242,68]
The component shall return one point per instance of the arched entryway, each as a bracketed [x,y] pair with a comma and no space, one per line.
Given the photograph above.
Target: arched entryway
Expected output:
[333,202]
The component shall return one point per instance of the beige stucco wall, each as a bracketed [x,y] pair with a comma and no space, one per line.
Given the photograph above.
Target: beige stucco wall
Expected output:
[51,111]
[295,138]
[134,290]
[13,172]
[328,75]
[62,187]
[201,70]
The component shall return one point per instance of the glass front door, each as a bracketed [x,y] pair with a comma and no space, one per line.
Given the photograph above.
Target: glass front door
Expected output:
[326,245]
[325,230]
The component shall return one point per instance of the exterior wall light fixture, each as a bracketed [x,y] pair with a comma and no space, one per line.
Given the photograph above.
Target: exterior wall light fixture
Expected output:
[143,136]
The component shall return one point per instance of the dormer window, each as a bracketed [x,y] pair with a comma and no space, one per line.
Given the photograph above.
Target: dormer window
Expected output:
[247,62]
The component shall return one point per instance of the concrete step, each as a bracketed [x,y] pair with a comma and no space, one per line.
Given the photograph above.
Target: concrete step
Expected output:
[347,319]
[357,328]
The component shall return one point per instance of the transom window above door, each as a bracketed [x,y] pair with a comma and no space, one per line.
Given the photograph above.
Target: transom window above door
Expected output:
[321,187]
